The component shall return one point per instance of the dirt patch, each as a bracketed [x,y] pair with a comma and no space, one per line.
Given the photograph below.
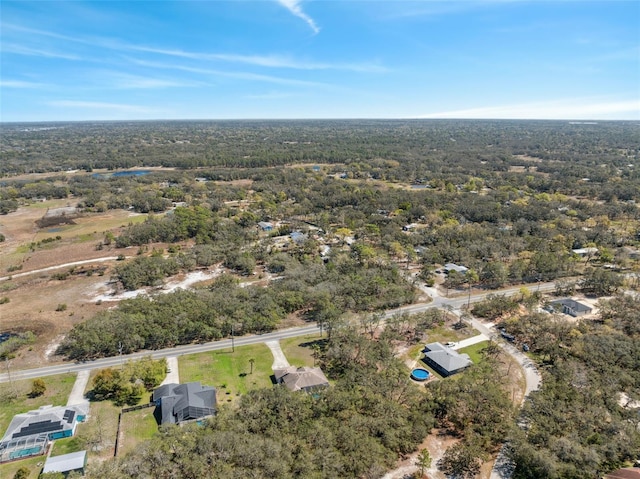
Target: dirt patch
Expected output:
[32,306]
[436,443]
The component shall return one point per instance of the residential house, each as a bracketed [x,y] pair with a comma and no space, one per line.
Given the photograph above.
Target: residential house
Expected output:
[455,267]
[265,225]
[305,378]
[29,433]
[176,403]
[445,360]
[570,307]
[585,251]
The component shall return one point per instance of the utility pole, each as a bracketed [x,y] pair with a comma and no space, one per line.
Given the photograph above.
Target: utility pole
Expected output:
[233,345]
[6,360]
[120,353]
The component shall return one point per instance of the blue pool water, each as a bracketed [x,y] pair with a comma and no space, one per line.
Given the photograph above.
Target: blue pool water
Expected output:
[419,374]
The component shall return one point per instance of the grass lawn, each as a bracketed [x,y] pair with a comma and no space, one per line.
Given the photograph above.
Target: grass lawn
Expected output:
[445,334]
[229,372]
[299,351]
[57,393]
[100,428]
[91,227]
[34,464]
[67,445]
[136,427]
[474,351]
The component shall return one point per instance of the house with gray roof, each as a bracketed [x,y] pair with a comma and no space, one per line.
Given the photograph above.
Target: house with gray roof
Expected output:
[455,267]
[176,403]
[445,360]
[66,463]
[304,378]
[29,433]
[570,307]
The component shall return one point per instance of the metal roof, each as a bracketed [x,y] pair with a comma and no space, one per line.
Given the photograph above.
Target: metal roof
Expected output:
[66,462]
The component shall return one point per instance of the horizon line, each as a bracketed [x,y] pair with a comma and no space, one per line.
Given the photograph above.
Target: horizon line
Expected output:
[577,120]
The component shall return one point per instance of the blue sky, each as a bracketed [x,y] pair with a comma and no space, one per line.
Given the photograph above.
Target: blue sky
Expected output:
[113,60]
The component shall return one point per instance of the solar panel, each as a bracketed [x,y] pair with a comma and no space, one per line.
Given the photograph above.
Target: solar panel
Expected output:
[37,428]
[69,415]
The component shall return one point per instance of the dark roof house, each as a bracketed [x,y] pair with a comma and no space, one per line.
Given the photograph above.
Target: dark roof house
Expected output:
[570,307]
[183,402]
[66,463]
[305,378]
[445,360]
[29,433]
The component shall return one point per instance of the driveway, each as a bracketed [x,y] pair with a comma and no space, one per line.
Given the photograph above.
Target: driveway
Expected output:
[77,393]
[279,359]
[173,376]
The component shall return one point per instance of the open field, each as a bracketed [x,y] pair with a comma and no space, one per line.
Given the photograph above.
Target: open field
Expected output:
[229,372]
[57,393]
[32,306]
[77,241]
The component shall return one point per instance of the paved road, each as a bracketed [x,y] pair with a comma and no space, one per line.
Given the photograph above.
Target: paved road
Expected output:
[160,353]
[439,302]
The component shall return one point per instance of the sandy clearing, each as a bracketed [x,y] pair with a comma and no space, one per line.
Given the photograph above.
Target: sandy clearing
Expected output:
[185,283]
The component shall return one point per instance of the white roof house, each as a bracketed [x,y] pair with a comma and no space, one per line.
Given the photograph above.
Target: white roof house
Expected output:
[75,461]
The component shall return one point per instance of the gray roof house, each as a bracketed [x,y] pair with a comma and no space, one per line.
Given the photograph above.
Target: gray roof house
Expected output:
[445,360]
[570,307]
[29,433]
[305,378]
[183,402]
[455,267]
[75,461]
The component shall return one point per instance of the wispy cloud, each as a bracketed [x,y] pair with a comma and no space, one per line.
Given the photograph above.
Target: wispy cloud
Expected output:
[274,95]
[98,105]
[271,61]
[267,61]
[127,81]
[294,7]
[20,84]
[22,50]
[565,109]
[434,8]
[238,75]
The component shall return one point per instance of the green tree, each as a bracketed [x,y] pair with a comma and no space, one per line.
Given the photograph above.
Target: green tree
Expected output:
[462,460]
[423,461]
[38,388]
[22,473]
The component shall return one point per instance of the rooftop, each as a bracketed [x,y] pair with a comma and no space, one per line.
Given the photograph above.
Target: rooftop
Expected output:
[305,378]
[66,462]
